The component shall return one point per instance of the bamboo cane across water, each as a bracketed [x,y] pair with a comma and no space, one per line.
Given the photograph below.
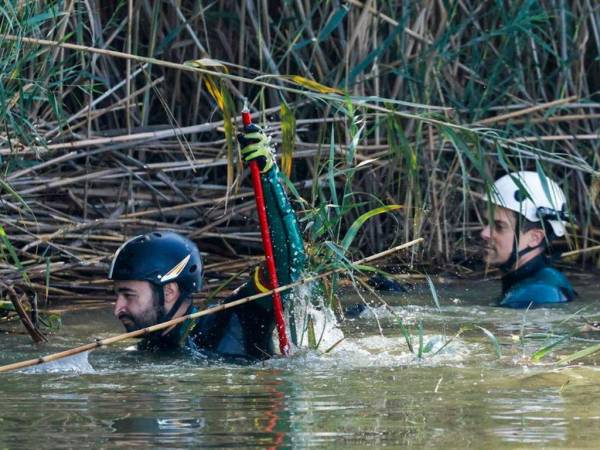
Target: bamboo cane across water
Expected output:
[178,320]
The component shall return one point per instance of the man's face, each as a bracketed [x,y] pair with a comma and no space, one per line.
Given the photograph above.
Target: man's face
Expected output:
[136,305]
[498,236]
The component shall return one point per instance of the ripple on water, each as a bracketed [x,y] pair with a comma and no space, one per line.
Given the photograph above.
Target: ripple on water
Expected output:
[368,391]
[529,416]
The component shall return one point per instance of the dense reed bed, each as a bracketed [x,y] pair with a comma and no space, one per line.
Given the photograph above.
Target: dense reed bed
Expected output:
[107,134]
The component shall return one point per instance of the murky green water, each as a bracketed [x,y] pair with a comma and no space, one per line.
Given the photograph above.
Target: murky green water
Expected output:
[370,391]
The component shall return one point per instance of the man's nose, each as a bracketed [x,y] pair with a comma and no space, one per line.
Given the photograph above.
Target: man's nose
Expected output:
[485,233]
[119,305]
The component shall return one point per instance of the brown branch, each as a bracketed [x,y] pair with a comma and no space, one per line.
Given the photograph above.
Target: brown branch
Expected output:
[27,323]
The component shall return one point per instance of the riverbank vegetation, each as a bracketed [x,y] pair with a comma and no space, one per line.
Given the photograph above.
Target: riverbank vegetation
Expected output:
[106,132]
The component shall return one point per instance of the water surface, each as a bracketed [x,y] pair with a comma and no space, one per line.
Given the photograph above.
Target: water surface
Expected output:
[369,391]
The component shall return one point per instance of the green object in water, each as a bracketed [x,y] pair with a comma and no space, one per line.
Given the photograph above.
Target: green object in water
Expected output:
[6,305]
[312,340]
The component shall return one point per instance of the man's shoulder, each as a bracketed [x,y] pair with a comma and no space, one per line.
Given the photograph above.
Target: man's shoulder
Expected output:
[551,276]
[546,286]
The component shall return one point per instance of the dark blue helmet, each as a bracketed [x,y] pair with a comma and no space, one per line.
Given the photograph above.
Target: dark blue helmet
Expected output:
[159,257]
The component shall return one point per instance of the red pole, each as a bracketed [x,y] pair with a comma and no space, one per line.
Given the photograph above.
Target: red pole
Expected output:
[267,245]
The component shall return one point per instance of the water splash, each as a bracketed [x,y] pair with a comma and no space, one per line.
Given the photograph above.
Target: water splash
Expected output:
[315,323]
[330,347]
[379,352]
[78,364]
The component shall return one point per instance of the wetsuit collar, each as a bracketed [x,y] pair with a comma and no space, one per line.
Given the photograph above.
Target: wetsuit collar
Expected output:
[526,270]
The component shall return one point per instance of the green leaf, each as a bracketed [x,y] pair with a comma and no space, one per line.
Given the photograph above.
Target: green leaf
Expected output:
[492,338]
[6,305]
[51,321]
[353,230]
[434,294]
[332,23]
[460,143]
[168,39]
[313,85]
[407,337]
[428,346]
[312,340]
[331,169]
[580,354]
[290,187]
[288,137]
[228,111]
[420,352]
[551,196]
[13,254]
[8,188]
[374,54]
[340,256]
[50,14]
[539,354]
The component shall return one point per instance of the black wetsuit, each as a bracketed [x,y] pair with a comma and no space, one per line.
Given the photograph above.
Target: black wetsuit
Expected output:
[246,331]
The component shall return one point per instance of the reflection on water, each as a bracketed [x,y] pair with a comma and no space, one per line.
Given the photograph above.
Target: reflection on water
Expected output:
[529,417]
[369,391]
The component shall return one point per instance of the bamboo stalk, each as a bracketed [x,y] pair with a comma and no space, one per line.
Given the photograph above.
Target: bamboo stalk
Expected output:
[554,138]
[231,77]
[525,111]
[216,309]
[580,251]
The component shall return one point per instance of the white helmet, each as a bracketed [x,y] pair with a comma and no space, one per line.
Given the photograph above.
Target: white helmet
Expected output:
[534,197]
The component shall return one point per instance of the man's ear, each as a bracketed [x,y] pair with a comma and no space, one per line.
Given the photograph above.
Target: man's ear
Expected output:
[535,237]
[171,293]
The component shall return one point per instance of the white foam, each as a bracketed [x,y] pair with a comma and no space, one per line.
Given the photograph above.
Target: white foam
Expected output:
[310,311]
[74,364]
[380,352]
[333,349]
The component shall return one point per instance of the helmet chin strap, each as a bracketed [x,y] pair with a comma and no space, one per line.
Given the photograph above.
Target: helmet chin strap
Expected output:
[515,254]
[162,317]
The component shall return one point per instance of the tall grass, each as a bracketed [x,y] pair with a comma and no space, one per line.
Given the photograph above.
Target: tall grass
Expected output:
[419,104]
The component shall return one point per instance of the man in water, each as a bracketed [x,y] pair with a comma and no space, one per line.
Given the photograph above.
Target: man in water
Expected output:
[155,275]
[528,212]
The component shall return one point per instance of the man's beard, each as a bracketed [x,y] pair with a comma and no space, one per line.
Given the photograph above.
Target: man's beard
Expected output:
[145,320]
